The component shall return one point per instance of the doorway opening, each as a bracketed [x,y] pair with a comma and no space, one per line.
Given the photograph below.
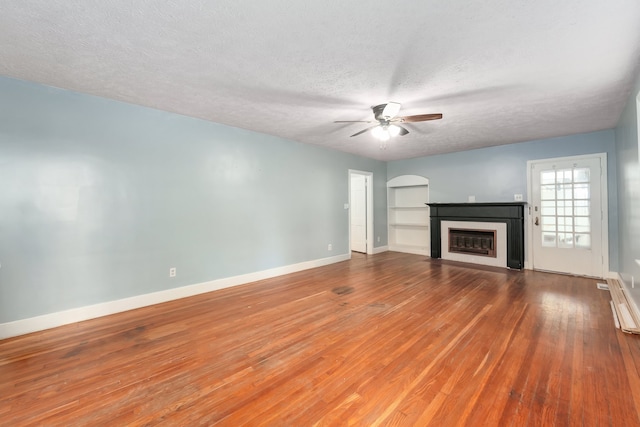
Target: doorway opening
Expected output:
[360,211]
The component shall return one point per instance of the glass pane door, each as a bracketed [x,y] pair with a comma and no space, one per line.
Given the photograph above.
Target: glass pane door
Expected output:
[565,208]
[567,215]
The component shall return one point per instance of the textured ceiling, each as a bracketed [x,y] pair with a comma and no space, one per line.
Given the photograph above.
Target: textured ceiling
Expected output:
[500,71]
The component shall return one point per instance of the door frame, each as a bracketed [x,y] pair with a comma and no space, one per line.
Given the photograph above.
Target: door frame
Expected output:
[604,198]
[369,207]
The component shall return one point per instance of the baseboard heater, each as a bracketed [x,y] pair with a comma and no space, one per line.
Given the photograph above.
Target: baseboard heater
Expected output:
[627,317]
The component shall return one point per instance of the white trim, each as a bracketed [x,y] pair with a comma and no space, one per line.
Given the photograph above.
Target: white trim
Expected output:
[604,200]
[52,320]
[369,184]
[638,122]
[380,249]
[625,288]
[416,250]
[407,181]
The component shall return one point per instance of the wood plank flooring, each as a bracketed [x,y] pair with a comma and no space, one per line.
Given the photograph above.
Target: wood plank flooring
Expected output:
[389,339]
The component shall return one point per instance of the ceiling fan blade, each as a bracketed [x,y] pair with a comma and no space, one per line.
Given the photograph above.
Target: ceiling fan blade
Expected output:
[420,118]
[364,130]
[391,110]
[353,121]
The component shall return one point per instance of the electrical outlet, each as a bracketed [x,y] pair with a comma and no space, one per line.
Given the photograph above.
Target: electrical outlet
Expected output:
[517,197]
[472,199]
[330,247]
[172,272]
[378,239]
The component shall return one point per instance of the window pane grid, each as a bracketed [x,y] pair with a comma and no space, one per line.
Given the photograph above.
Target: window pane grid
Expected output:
[565,208]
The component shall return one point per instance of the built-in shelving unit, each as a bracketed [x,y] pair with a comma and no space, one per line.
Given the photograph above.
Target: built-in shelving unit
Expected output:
[408,214]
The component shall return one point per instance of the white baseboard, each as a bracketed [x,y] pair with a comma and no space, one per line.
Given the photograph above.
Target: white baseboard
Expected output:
[52,320]
[410,250]
[625,288]
[608,275]
[380,249]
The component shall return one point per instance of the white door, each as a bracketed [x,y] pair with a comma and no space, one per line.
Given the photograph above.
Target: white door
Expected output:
[358,213]
[567,216]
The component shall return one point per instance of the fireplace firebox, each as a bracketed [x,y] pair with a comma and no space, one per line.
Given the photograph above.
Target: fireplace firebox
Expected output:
[476,242]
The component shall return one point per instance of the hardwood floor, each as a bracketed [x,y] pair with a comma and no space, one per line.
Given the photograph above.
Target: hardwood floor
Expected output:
[389,339]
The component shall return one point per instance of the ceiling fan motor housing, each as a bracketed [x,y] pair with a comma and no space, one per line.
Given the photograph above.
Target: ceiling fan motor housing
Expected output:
[378,110]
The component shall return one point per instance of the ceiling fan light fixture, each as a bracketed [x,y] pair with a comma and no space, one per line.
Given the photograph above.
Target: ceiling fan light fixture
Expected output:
[381,133]
[387,115]
[394,130]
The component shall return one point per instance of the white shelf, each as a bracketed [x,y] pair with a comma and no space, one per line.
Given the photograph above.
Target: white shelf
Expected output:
[408,214]
[408,224]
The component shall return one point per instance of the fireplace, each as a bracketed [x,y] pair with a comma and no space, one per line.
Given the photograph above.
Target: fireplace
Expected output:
[476,242]
[469,242]
[506,219]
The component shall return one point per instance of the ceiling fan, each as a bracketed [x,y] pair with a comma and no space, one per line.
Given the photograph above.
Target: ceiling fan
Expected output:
[387,117]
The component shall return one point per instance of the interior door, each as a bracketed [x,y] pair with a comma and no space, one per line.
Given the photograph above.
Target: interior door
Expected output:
[358,213]
[567,216]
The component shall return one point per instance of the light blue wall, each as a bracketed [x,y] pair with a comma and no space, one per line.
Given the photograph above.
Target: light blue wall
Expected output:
[100,198]
[495,174]
[629,194]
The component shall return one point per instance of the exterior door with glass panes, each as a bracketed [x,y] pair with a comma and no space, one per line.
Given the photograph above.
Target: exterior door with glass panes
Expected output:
[567,216]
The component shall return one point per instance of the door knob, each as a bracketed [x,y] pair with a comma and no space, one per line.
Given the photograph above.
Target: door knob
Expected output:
[537,222]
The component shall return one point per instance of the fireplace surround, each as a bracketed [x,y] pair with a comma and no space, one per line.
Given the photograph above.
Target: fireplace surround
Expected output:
[512,214]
